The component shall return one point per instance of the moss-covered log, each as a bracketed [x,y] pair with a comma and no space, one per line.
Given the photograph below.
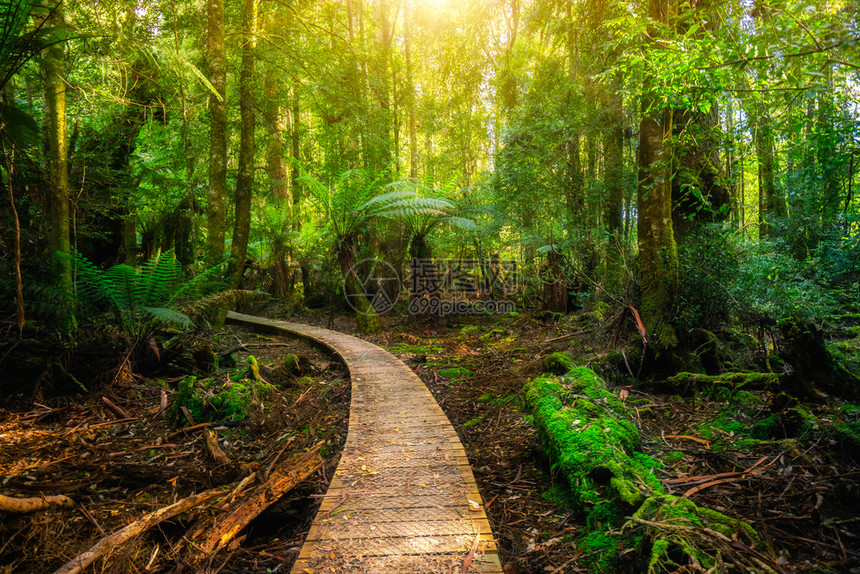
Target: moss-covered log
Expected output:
[684,382]
[597,448]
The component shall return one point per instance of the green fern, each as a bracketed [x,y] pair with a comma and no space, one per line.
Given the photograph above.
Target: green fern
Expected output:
[140,298]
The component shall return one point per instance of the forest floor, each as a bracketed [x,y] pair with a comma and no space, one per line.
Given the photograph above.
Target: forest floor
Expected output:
[800,491]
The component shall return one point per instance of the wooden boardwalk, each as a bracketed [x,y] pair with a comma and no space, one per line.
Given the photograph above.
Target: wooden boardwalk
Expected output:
[403,497]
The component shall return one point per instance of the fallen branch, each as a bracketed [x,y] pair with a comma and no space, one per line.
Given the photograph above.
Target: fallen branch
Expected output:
[259,499]
[115,409]
[215,451]
[25,505]
[122,536]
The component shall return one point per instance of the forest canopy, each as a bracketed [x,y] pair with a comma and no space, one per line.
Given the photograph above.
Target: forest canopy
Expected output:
[695,161]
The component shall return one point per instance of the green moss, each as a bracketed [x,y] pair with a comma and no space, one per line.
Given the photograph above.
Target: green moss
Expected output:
[406,348]
[674,457]
[208,401]
[596,447]
[455,373]
[766,427]
[746,399]
[470,330]
[495,333]
[558,364]
[734,381]
[473,422]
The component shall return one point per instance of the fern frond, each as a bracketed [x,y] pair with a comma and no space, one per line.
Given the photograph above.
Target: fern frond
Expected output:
[169,316]
[197,282]
[462,222]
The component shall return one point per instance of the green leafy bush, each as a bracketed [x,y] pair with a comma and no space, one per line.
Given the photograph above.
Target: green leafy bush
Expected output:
[771,286]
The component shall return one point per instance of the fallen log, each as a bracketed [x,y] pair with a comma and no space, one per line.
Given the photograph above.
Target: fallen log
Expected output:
[684,381]
[110,542]
[24,505]
[258,499]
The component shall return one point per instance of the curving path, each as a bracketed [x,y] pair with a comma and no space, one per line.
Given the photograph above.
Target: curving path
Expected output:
[403,498]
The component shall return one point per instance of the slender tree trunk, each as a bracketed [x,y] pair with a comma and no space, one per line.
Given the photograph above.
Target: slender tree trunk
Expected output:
[55,123]
[658,254]
[184,212]
[20,317]
[613,146]
[276,167]
[247,146]
[386,36]
[217,211]
[410,94]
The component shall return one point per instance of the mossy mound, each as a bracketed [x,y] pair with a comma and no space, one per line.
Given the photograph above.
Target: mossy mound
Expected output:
[558,364]
[207,400]
[593,442]
[294,366]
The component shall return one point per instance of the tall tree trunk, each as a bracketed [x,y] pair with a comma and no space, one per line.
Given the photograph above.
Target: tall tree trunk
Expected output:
[386,36]
[55,123]
[770,205]
[247,146]
[217,212]
[613,146]
[184,212]
[410,93]
[658,253]
[366,317]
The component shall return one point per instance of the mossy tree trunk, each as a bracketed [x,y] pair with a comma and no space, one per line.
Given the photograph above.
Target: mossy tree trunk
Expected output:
[658,253]
[216,211]
[247,146]
[365,315]
[421,266]
[770,204]
[58,163]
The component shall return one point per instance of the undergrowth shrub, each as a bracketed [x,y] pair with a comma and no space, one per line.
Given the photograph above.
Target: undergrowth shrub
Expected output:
[771,286]
[231,399]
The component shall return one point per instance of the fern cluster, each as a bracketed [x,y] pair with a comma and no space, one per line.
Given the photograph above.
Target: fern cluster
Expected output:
[140,298]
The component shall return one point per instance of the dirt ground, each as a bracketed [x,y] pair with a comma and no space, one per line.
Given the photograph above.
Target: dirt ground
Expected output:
[801,493]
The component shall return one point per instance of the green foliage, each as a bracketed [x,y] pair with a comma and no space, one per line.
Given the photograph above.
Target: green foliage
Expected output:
[709,264]
[771,286]
[140,299]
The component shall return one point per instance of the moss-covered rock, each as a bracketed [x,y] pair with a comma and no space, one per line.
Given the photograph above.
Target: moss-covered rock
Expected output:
[594,444]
